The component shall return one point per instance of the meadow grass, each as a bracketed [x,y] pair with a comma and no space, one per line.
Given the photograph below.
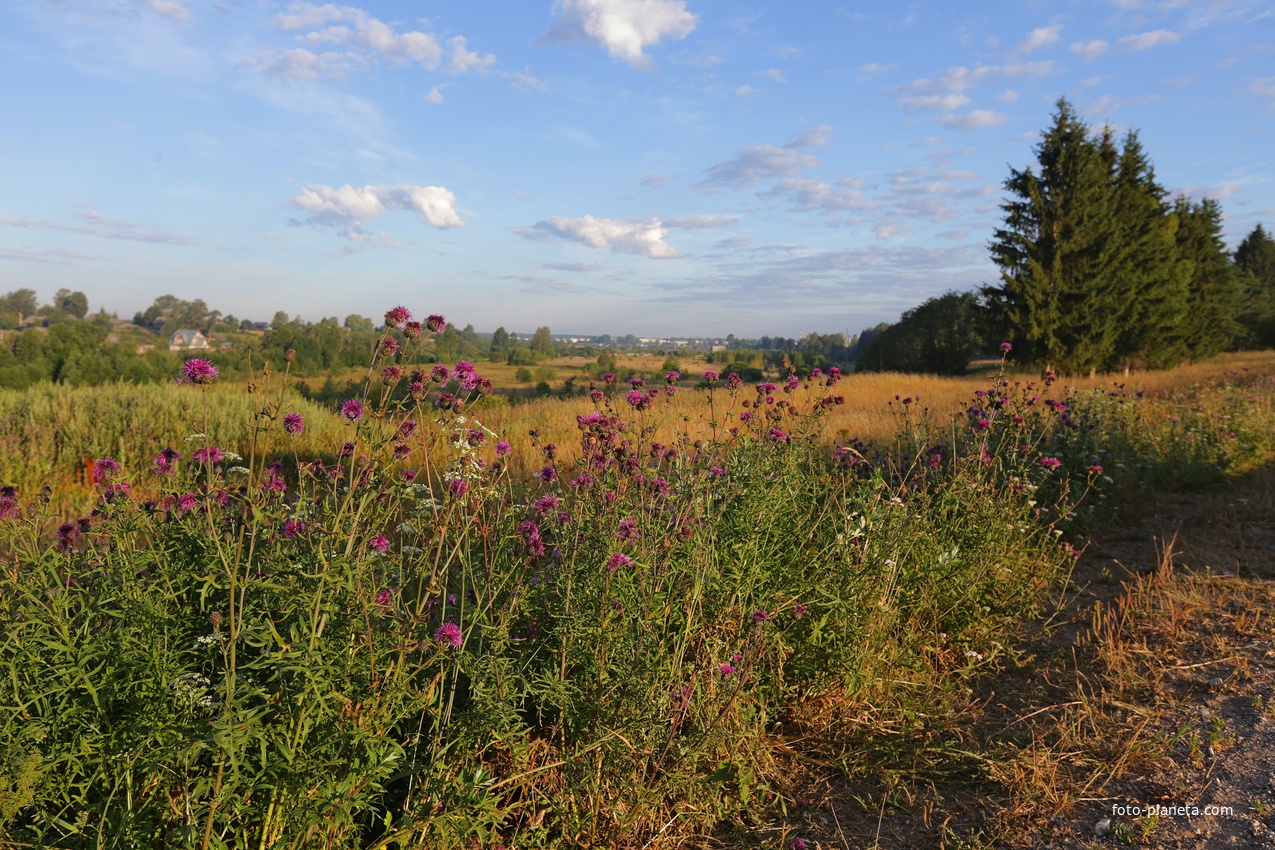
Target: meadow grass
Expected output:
[379,633]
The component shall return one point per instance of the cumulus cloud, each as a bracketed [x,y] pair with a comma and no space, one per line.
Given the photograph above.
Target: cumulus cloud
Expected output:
[347,205]
[644,238]
[465,60]
[1040,37]
[434,96]
[1147,40]
[624,27]
[774,74]
[746,91]
[1090,50]
[764,162]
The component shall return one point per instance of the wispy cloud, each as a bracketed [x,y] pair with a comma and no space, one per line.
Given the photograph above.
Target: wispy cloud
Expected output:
[1147,40]
[764,162]
[44,255]
[95,224]
[1090,50]
[1040,37]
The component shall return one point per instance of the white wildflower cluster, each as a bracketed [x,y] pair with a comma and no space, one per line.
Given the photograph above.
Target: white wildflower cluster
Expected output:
[194,437]
[192,689]
[468,465]
[208,640]
[237,470]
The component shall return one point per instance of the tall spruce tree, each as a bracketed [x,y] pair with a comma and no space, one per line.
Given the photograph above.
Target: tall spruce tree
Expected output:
[1213,287]
[1090,273]
[1255,260]
[1051,249]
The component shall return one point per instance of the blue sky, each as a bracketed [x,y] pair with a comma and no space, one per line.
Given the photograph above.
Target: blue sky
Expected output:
[601,166]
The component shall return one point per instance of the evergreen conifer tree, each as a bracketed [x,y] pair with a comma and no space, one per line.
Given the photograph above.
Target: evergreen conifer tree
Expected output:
[1213,290]
[1255,259]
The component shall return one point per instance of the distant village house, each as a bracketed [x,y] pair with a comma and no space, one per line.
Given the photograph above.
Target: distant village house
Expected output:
[187,339]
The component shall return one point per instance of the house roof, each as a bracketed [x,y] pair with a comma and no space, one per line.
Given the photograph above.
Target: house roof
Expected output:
[186,335]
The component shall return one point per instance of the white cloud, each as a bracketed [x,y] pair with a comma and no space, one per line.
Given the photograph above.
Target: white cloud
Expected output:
[945,102]
[626,27]
[1090,50]
[974,120]
[348,205]
[333,41]
[1147,40]
[746,91]
[1106,106]
[172,11]
[763,162]
[1040,37]
[434,96]
[774,74]
[644,238]
[465,60]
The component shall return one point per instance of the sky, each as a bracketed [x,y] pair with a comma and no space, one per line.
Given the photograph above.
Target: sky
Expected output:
[657,167]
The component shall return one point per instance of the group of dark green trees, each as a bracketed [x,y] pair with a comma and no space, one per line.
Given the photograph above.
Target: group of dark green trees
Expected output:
[1100,271]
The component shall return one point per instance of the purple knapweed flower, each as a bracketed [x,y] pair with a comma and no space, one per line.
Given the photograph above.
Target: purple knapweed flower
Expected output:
[638,399]
[391,374]
[208,454]
[436,323]
[412,330]
[463,369]
[105,469]
[352,410]
[726,669]
[396,316]
[293,423]
[617,561]
[387,347]
[187,501]
[292,529]
[672,376]
[347,450]
[458,487]
[379,543]
[627,529]
[1006,348]
[1050,462]
[198,371]
[799,611]
[609,377]
[710,376]
[449,633]
[1096,469]
[760,615]
[384,597]
[545,504]
[502,448]
[797,844]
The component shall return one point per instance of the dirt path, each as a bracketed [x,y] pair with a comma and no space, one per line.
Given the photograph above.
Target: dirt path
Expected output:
[1142,715]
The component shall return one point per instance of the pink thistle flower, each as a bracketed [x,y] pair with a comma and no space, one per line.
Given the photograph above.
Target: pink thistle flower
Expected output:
[396,316]
[406,429]
[733,381]
[292,529]
[609,377]
[412,330]
[390,374]
[463,369]
[1096,469]
[198,371]
[672,376]
[208,454]
[436,324]
[710,376]
[187,501]
[726,669]
[1050,463]
[379,543]
[502,448]
[1006,348]
[458,487]
[387,347]
[449,633]
[105,469]
[440,374]
[384,597]
[352,410]
[617,561]
[293,423]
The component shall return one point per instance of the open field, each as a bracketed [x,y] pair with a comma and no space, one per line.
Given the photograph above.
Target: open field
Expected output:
[49,433]
[377,633]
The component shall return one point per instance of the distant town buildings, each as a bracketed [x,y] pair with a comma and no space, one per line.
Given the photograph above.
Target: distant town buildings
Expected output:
[187,339]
